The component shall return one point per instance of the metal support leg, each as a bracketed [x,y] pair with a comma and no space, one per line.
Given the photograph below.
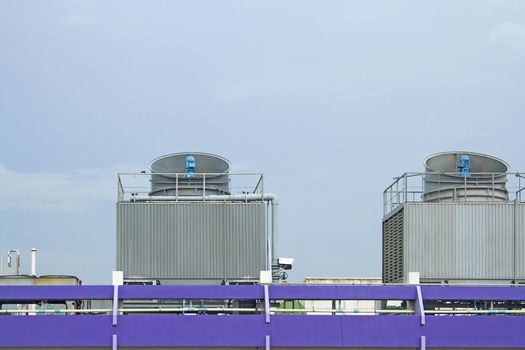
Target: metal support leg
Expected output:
[266,304]
[114,343]
[115,304]
[420,308]
[267,343]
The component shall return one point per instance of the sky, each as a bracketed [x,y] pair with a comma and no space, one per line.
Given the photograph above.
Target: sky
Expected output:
[329,99]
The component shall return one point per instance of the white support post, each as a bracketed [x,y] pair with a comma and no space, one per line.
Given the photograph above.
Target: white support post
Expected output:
[118,280]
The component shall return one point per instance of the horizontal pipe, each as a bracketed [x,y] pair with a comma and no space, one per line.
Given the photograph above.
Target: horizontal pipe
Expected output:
[213,309]
[273,310]
[248,197]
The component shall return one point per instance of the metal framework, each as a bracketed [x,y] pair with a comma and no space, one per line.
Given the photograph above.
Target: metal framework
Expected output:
[408,187]
[417,326]
[134,185]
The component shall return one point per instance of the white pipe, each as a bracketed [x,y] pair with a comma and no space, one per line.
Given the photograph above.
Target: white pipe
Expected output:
[275,231]
[33,261]
[247,197]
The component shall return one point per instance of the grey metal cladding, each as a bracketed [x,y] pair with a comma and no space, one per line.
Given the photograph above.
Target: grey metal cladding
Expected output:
[483,241]
[205,240]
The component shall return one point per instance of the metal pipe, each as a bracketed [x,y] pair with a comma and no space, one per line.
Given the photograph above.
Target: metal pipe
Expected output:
[17,262]
[33,261]
[275,231]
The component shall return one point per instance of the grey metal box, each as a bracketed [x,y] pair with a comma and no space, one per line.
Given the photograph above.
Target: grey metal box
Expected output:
[455,242]
[191,242]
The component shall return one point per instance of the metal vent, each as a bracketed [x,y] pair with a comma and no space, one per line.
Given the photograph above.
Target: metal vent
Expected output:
[393,248]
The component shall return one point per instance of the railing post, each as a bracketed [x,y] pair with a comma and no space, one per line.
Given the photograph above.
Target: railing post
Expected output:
[465,187]
[245,191]
[262,186]
[420,305]
[120,190]
[493,187]
[405,180]
[204,187]
[177,187]
[423,343]
[384,202]
[266,304]
[397,192]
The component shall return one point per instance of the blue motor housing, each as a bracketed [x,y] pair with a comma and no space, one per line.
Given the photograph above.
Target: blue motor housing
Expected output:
[190,167]
[464,165]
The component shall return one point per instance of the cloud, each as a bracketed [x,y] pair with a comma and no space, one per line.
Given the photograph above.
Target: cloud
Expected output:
[510,35]
[57,191]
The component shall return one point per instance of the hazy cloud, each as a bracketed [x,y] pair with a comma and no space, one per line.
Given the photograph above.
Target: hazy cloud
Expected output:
[510,35]
[56,191]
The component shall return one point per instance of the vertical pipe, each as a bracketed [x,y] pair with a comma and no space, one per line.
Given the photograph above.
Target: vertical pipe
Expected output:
[33,261]
[18,262]
[515,250]
[268,248]
[275,229]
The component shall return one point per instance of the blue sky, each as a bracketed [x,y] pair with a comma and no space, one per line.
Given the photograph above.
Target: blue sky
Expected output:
[330,99]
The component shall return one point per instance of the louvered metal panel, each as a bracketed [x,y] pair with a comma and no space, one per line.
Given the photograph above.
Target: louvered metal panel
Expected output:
[209,242]
[393,257]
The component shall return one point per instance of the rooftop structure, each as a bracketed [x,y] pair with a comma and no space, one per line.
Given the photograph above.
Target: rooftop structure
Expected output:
[462,221]
[190,221]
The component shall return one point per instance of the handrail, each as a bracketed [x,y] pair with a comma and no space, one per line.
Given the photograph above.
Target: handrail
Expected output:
[409,187]
[132,185]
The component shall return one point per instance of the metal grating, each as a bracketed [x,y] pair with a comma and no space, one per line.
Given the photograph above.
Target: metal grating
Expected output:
[393,254]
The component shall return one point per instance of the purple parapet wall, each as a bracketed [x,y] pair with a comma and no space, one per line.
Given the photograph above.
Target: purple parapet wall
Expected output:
[164,330]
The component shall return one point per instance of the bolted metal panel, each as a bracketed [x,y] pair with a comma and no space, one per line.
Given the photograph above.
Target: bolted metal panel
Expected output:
[459,242]
[191,241]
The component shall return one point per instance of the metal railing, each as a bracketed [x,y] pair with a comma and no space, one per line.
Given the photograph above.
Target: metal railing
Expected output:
[136,185]
[395,299]
[410,187]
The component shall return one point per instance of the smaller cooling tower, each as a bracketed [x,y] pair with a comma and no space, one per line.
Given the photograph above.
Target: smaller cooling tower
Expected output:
[464,230]
[464,177]
[182,174]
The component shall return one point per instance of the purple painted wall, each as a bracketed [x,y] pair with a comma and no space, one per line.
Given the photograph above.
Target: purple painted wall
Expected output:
[250,330]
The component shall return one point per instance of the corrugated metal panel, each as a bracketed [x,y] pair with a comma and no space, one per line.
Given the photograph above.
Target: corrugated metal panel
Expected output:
[173,240]
[463,241]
